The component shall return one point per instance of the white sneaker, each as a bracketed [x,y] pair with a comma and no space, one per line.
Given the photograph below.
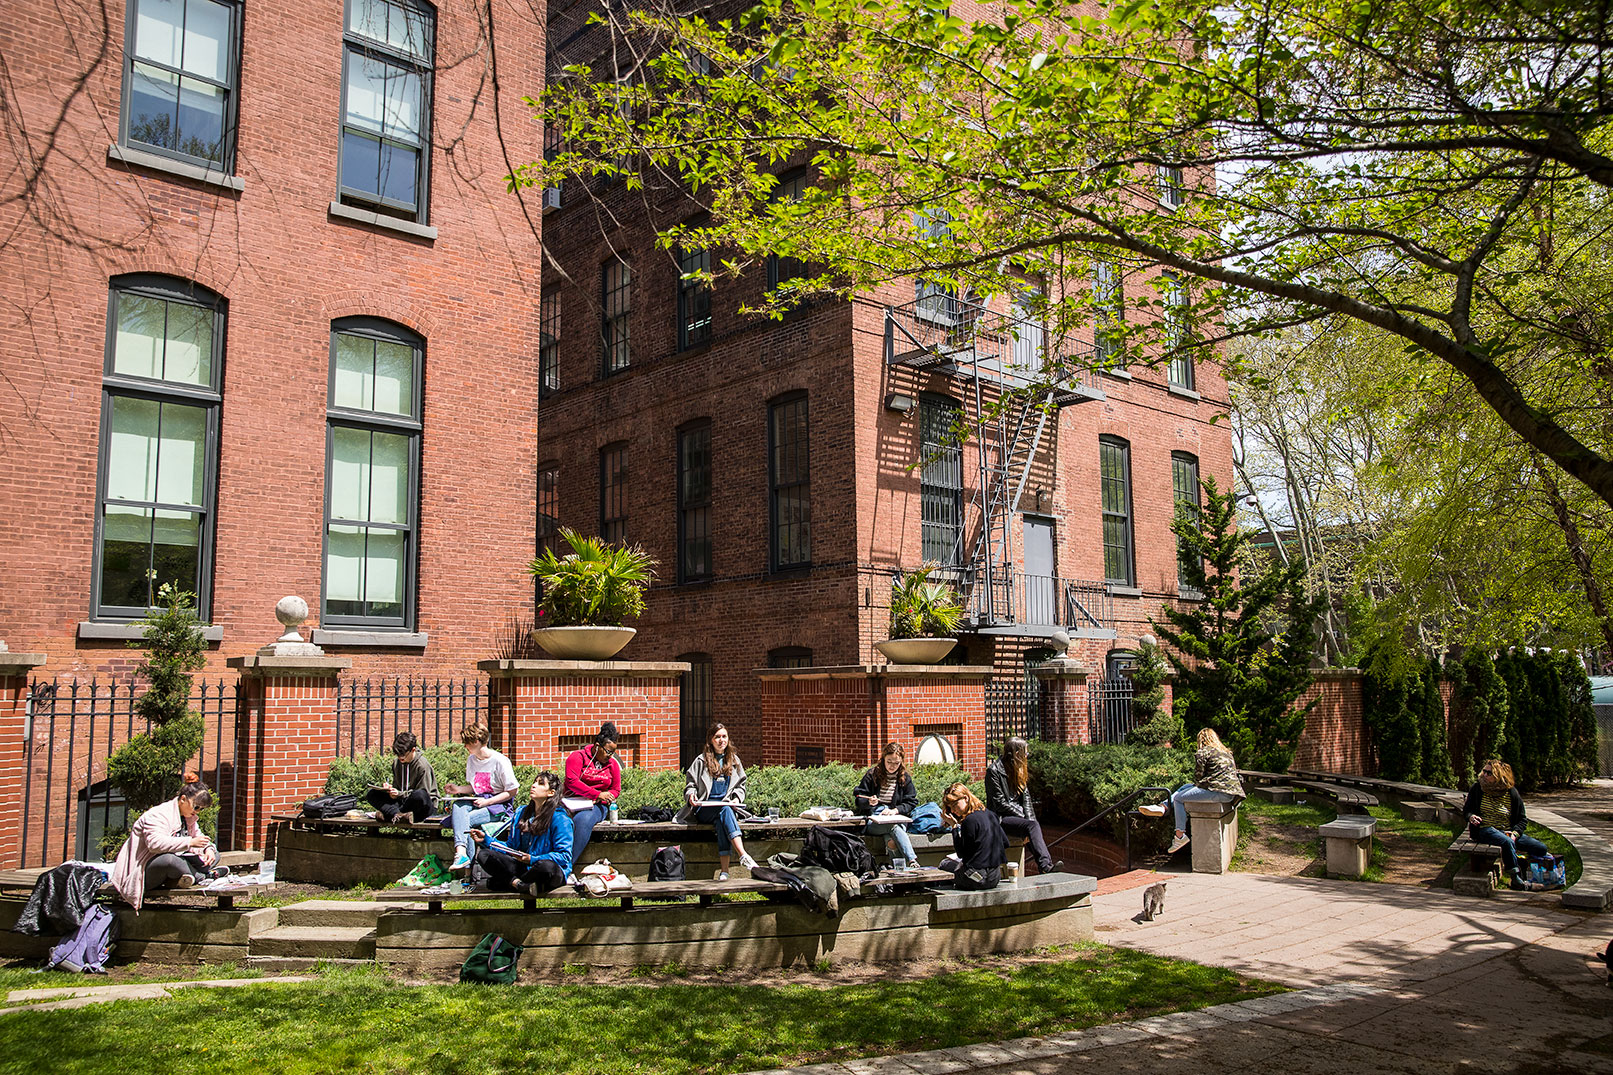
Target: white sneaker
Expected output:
[746,861]
[1176,845]
[461,860]
[571,879]
[722,875]
[1155,810]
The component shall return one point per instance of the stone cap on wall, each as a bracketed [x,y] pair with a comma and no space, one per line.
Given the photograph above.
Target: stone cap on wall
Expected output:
[1062,668]
[874,671]
[505,669]
[266,665]
[19,664]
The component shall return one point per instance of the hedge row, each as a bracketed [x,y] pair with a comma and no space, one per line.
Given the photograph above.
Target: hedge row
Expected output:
[1076,782]
[786,787]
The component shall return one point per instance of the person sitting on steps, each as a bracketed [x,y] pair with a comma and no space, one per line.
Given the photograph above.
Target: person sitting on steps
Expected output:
[490,786]
[1008,795]
[1215,779]
[412,792]
[533,856]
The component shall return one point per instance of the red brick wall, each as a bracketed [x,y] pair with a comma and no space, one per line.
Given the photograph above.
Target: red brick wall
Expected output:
[286,269]
[285,722]
[13,757]
[1335,738]
[536,713]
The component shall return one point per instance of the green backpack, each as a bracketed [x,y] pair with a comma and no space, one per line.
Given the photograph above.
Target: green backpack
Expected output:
[492,962]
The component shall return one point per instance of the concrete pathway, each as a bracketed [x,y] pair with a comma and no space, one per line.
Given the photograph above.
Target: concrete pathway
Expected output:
[1389,978]
[78,996]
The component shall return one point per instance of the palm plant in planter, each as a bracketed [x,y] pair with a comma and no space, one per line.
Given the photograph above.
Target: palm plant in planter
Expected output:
[587,593]
[923,613]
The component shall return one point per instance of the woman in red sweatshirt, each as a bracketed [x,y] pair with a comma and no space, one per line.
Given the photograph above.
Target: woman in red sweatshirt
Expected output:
[593,782]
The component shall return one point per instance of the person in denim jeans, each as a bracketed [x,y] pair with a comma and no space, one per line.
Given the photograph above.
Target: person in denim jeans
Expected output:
[888,787]
[715,775]
[490,784]
[1494,811]
[1215,779]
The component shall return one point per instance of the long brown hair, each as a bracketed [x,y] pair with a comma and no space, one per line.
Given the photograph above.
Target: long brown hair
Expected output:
[968,802]
[1496,775]
[901,770]
[540,814]
[1017,763]
[728,755]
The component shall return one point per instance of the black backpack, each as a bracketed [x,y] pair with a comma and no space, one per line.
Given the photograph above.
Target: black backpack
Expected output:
[667,864]
[837,851]
[325,806]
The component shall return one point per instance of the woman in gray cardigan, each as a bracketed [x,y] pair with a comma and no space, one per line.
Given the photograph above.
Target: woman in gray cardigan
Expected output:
[716,776]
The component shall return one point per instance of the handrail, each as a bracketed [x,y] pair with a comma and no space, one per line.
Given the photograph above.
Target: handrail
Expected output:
[1105,812]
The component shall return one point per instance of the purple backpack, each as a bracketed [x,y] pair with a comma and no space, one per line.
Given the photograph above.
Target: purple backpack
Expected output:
[90,946]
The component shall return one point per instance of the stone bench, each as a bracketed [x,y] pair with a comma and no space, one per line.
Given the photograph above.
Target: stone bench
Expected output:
[1349,845]
[1483,867]
[1273,793]
[1426,810]
[1213,829]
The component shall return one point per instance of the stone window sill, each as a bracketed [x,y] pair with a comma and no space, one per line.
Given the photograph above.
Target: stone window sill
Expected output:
[387,639]
[1125,591]
[1117,374]
[135,632]
[156,162]
[381,220]
[1185,393]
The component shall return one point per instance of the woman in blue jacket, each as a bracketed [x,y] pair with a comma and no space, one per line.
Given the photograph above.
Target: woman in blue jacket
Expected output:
[534,853]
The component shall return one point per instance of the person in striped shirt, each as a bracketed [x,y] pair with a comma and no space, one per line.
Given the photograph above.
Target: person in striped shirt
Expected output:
[1495,816]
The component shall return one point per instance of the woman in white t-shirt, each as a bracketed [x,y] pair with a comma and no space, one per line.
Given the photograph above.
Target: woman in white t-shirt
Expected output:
[489,780]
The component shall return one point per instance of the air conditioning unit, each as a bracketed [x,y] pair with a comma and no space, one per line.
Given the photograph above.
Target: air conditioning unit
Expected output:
[551,198]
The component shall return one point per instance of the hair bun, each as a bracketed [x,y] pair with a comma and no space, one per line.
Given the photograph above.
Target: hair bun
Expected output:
[192,776]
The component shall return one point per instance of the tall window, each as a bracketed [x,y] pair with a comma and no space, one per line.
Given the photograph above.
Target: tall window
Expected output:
[180,79]
[1185,487]
[159,444]
[789,657]
[1177,331]
[694,502]
[386,105]
[936,302]
[613,493]
[941,480]
[695,698]
[1028,333]
[549,507]
[1172,187]
[694,299]
[372,484]
[1114,478]
[616,279]
[1109,315]
[549,340]
[789,478]
[791,187]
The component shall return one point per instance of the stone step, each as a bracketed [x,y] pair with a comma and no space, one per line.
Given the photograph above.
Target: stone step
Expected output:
[316,942]
[344,913]
[1274,793]
[284,964]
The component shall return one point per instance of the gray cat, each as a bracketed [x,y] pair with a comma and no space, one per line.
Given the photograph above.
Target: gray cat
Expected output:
[1153,901]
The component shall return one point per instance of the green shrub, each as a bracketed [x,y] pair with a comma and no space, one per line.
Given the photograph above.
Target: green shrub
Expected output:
[149,768]
[1073,783]
[1152,724]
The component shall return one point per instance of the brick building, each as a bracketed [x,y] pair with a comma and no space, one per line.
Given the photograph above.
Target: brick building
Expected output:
[271,325]
[781,471]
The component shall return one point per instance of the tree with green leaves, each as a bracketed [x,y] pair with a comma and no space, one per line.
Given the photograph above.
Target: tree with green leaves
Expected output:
[1241,656]
[149,768]
[1391,163]
[1152,723]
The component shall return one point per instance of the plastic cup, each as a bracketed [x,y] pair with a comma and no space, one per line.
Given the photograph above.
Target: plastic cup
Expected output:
[772,812]
[898,865]
[266,871]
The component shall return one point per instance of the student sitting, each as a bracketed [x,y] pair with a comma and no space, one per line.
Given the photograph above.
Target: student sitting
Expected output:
[888,788]
[412,792]
[489,781]
[717,776]
[166,847]
[977,838]
[593,782]
[534,853]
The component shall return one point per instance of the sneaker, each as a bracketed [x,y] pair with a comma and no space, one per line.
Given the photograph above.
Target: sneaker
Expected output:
[571,879]
[185,881]
[1176,845]
[217,872]
[746,861]
[1152,810]
[722,875]
[461,860]
[520,888]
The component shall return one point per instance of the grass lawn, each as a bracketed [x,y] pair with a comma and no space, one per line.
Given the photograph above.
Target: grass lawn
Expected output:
[363,1022]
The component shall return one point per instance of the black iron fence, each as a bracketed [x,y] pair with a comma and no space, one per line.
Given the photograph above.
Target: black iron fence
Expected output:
[370,712]
[73,726]
[1109,709]
[1013,707]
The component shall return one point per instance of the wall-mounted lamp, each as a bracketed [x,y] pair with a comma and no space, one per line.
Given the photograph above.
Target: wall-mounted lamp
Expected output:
[899,402]
[1041,499]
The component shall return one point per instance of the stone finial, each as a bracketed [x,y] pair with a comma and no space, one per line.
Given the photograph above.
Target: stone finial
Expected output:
[291,611]
[1147,640]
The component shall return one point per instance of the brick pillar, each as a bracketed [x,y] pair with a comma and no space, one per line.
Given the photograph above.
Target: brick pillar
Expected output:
[14,670]
[285,713]
[1066,716]
[534,706]
[850,712]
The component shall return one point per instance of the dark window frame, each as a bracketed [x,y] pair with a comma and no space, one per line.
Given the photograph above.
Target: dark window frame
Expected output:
[940,481]
[1185,464]
[549,341]
[412,426]
[694,299]
[613,492]
[126,386]
[354,43]
[616,351]
[790,657]
[782,270]
[1178,331]
[1125,514]
[802,480]
[694,511]
[695,720]
[548,496]
[231,86]
[1109,315]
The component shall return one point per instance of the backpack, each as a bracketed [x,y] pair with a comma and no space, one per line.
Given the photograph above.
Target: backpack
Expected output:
[327,806]
[90,946]
[667,864]
[837,851]
[927,819]
[1549,870]
[494,961]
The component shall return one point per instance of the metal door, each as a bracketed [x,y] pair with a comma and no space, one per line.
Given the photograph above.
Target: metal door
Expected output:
[1041,589]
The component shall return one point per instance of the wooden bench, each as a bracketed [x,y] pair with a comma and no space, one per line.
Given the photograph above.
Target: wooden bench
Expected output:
[326,824]
[1258,778]
[1483,866]
[704,891]
[1348,800]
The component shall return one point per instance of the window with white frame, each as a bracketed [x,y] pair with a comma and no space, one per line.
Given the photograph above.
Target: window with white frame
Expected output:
[1178,331]
[1172,186]
[160,395]
[935,302]
[386,105]
[372,481]
[181,79]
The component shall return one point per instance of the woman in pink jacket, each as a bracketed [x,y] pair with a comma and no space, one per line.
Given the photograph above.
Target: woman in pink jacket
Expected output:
[593,782]
[167,846]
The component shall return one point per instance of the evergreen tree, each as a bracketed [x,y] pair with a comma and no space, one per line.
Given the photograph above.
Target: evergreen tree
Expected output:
[1152,724]
[148,769]
[1241,655]
[1390,698]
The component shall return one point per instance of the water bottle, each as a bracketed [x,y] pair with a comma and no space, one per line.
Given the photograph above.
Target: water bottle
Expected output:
[613,814]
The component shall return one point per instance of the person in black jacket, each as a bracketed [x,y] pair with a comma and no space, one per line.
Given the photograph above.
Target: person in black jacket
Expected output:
[888,788]
[1008,794]
[977,838]
[1494,812]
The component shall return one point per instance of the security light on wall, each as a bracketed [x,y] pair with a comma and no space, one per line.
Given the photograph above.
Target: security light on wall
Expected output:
[899,403]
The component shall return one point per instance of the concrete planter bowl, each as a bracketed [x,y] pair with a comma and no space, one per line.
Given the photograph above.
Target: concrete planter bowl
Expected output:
[583,643]
[915,650]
